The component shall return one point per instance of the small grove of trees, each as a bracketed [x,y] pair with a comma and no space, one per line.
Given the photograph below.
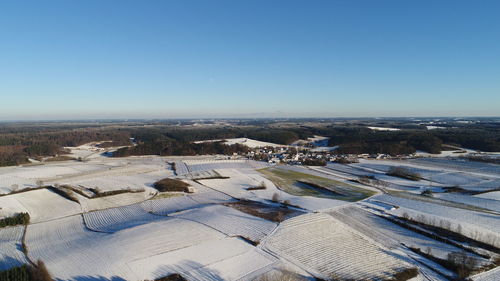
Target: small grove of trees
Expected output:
[459,262]
[166,147]
[405,173]
[168,184]
[371,180]
[405,274]
[21,218]
[25,272]
[171,277]
[314,162]
[462,263]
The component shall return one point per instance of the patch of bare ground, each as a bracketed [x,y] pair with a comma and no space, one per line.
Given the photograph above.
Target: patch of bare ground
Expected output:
[265,211]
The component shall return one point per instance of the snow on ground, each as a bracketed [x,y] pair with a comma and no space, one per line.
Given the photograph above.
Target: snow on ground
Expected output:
[482,226]
[230,221]
[114,182]
[10,183]
[72,252]
[455,164]
[491,275]
[484,220]
[43,205]
[112,201]
[223,259]
[442,176]
[211,197]
[494,195]
[245,141]
[485,203]
[165,206]
[115,219]
[237,267]
[181,168]
[10,247]
[329,249]
[9,206]
[207,165]
[383,129]
[389,234]
[239,180]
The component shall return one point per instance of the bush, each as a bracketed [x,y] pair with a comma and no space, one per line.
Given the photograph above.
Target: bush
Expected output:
[426,192]
[26,273]
[172,277]
[406,274]
[21,218]
[404,173]
[171,185]
[99,193]
[276,198]
[314,162]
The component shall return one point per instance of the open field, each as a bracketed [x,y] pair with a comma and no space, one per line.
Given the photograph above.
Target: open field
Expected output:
[243,219]
[329,249]
[302,184]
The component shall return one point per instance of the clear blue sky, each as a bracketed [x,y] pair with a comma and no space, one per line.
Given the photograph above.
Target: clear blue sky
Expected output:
[249,58]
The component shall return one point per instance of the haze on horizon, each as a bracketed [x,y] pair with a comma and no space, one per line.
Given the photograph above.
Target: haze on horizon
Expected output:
[168,59]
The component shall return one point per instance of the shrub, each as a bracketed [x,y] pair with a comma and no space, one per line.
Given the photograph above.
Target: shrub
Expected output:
[98,193]
[172,277]
[171,185]
[426,192]
[314,162]
[276,198]
[283,275]
[26,273]
[406,274]
[40,272]
[403,172]
[21,218]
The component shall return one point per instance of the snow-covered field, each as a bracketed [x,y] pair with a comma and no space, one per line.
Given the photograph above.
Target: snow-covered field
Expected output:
[493,195]
[149,234]
[482,226]
[43,205]
[207,165]
[245,141]
[230,221]
[325,246]
[492,275]
[389,234]
[239,180]
[486,203]
[10,247]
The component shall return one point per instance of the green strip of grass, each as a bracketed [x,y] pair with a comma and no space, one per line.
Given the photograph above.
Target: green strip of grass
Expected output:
[295,183]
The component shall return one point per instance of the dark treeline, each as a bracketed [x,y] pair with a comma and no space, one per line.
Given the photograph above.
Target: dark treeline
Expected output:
[180,141]
[16,147]
[363,140]
[279,136]
[173,147]
[18,142]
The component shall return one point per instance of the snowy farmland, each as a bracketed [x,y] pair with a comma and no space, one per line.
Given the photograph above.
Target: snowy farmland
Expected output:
[326,247]
[242,219]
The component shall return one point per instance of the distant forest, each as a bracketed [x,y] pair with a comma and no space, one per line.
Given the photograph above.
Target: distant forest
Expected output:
[20,141]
